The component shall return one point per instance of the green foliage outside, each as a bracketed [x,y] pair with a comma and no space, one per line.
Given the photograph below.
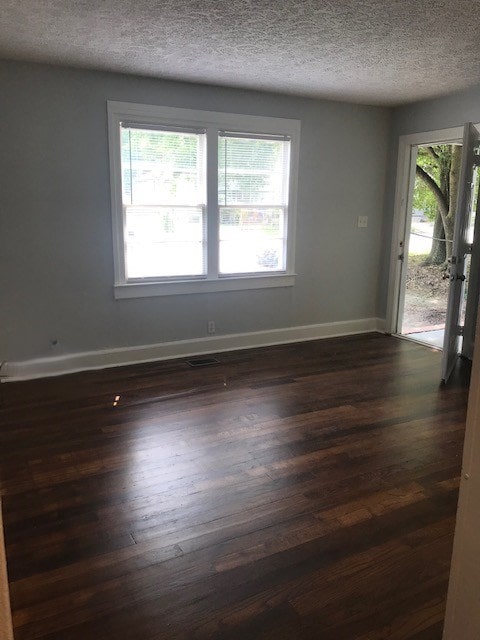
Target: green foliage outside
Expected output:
[423,197]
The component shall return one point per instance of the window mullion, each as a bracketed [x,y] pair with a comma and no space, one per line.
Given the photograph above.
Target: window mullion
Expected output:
[212,225]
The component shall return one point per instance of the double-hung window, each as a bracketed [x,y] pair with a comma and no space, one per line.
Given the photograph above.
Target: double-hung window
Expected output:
[202,201]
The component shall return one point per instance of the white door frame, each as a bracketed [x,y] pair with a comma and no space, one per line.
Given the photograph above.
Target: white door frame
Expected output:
[403,191]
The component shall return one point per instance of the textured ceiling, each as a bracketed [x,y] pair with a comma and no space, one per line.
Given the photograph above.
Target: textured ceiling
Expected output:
[369,51]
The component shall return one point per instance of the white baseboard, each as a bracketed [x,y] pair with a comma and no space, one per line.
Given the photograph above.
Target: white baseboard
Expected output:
[88,360]
[381,325]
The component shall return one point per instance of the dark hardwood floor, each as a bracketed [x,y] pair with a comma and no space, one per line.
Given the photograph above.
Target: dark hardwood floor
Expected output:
[295,492]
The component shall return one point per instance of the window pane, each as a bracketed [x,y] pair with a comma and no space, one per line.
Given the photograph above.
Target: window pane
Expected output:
[252,171]
[162,167]
[252,240]
[164,241]
[163,185]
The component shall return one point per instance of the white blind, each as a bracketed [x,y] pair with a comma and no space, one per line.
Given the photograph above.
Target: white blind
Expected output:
[253,170]
[162,167]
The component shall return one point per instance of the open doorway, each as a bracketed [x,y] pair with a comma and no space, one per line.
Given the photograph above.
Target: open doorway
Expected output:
[425,239]
[428,241]
[416,304]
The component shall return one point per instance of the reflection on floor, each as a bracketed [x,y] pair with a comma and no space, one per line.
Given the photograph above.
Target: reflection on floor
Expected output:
[433,338]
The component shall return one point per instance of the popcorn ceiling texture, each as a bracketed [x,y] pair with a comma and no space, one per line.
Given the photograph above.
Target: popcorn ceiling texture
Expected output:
[373,51]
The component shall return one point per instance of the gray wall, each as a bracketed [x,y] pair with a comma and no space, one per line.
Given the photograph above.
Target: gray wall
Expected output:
[429,115]
[56,264]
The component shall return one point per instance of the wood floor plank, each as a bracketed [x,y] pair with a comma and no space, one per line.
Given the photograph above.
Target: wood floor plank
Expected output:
[296,491]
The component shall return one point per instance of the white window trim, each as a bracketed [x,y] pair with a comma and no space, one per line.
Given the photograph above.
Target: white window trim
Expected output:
[213,120]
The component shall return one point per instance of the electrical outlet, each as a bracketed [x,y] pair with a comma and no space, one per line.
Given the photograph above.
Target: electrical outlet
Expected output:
[362,221]
[211,326]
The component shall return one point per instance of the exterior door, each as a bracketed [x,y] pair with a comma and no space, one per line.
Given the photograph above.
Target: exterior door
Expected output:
[471,309]
[460,249]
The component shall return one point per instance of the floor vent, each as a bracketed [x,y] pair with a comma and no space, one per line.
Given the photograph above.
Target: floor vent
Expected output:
[202,362]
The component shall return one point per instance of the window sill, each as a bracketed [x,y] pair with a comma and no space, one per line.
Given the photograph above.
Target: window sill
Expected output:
[182,287]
